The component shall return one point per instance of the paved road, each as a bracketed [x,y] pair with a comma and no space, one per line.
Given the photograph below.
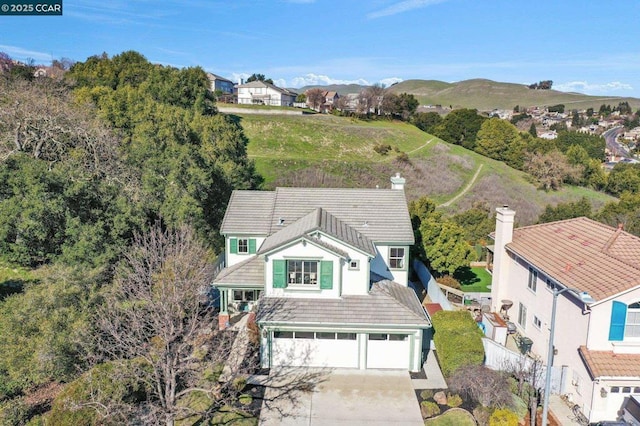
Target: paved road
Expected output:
[612,143]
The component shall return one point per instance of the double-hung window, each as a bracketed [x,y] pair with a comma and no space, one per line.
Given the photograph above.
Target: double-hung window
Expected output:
[522,316]
[533,280]
[303,272]
[396,257]
[632,326]
[243,245]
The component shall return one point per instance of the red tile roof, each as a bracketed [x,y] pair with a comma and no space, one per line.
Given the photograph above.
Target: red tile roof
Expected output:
[609,364]
[582,254]
[432,308]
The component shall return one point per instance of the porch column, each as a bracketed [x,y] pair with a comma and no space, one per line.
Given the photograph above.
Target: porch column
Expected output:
[223,316]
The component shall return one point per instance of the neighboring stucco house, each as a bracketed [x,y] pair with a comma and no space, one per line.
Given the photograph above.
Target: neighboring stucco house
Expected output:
[597,347]
[259,92]
[330,267]
[220,83]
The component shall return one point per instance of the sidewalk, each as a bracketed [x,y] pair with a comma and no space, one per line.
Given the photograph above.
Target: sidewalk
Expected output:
[561,411]
[435,379]
[238,350]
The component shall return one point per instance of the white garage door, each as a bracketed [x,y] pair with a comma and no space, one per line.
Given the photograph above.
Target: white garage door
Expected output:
[314,349]
[388,351]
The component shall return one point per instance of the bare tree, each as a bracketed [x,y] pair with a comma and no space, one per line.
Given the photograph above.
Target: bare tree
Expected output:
[154,313]
[551,169]
[489,388]
[315,98]
[529,372]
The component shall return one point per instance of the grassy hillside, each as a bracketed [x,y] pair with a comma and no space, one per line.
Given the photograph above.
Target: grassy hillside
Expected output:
[487,95]
[330,151]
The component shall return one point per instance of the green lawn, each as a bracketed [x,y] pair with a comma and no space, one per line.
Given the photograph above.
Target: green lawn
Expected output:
[474,279]
[453,417]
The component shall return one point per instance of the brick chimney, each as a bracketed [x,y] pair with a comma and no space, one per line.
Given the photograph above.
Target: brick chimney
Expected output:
[503,236]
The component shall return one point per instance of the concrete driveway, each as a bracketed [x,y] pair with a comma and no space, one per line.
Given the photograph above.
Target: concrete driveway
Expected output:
[348,397]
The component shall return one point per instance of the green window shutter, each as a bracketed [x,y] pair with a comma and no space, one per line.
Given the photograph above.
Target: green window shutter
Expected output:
[233,246]
[618,319]
[252,246]
[326,275]
[279,273]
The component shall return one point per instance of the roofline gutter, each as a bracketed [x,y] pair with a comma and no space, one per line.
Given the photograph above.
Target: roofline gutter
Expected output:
[333,324]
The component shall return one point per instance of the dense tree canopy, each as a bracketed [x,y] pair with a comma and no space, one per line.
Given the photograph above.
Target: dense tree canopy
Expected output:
[460,127]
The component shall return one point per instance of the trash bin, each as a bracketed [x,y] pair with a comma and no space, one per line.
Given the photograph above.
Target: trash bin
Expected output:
[525,345]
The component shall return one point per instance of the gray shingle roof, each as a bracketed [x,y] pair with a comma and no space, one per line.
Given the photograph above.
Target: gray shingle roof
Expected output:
[248,272]
[379,214]
[386,305]
[249,212]
[319,220]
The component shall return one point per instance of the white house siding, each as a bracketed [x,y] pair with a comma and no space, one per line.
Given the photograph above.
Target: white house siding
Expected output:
[308,252]
[380,264]
[600,320]
[232,259]
[570,330]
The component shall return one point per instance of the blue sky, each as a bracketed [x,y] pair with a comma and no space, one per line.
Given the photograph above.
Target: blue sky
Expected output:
[585,46]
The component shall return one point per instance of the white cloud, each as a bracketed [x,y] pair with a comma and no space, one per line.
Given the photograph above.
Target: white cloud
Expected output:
[236,77]
[23,54]
[390,81]
[593,89]
[323,80]
[403,6]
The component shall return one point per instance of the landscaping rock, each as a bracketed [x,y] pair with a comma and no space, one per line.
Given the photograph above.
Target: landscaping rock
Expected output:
[440,398]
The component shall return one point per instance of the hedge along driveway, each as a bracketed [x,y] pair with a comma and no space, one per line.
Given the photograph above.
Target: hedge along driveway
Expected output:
[458,340]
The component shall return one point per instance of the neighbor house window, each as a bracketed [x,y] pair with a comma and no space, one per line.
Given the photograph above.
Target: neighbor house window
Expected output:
[243,245]
[302,272]
[533,279]
[522,316]
[245,295]
[625,321]
[396,257]
[632,327]
[537,322]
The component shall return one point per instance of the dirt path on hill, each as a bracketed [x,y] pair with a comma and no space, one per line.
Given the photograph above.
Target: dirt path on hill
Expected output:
[466,188]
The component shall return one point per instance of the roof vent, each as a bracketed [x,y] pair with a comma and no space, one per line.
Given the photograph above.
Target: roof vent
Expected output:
[280,221]
[365,224]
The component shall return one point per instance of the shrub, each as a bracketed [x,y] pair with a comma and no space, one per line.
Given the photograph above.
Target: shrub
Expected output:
[382,149]
[429,409]
[449,281]
[488,387]
[239,383]
[454,400]
[245,399]
[458,340]
[14,412]
[403,157]
[482,415]
[427,393]
[503,417]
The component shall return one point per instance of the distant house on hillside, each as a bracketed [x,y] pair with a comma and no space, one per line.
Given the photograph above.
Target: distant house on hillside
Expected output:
[220,83]
[261,93]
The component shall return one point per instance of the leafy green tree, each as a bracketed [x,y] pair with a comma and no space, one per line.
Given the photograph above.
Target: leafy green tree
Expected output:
[460,127]
[477,223]
[624,178]
[568,210]
[593,144]
[40,329]
[259,77]
[426,121]
[500,140]
[445,245]
[625,212]
[532,130]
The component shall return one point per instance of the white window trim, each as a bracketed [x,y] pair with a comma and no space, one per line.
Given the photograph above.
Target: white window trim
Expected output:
[404,258]
[539,325]
[357,265]
[522,321]
[532,282]
[311,286]
[246,251]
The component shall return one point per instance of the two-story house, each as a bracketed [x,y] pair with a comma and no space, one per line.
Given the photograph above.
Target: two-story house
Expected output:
[220,83]
[262,93]
[596,360]
[328,269]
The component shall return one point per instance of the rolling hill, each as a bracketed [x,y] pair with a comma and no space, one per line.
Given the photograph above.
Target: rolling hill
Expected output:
[329,151]
[486,95]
